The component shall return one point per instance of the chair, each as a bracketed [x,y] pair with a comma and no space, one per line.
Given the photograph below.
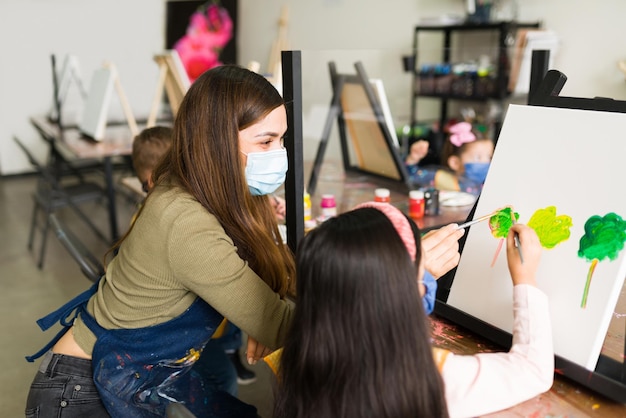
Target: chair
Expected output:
[51,195]
[88,263]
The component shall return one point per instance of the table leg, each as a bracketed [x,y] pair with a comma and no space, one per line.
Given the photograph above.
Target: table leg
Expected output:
[110,189]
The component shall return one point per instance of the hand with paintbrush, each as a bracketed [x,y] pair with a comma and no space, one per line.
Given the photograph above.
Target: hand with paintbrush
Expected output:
[500,222]
[522,239]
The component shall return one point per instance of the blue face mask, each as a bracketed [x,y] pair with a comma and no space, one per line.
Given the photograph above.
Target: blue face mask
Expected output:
[476,172]
[265,171]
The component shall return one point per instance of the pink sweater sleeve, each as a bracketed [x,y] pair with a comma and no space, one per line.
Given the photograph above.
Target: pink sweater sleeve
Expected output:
[488,382]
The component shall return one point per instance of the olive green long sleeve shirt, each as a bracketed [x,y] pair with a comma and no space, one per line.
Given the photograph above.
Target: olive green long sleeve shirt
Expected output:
[176,252]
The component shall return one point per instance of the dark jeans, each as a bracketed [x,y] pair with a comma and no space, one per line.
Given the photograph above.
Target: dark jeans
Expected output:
[64,387]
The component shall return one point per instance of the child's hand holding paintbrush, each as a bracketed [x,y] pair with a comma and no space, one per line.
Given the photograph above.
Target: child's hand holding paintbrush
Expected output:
[523,240]
[511,212]
[523,249]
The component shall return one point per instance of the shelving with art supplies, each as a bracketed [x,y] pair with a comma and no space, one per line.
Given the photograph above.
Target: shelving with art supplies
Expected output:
[468,68]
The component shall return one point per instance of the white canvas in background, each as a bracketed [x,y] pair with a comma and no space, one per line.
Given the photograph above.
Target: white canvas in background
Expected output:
[94,119]
[570,159]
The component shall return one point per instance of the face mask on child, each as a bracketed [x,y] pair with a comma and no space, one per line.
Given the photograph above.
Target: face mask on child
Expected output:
[476,171]
[265,171]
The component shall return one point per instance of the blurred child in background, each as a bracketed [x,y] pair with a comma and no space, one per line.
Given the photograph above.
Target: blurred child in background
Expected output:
[465,161]
[148,148]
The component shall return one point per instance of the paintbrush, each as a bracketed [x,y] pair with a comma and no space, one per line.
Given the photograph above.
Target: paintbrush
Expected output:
[516,239]
[475,221]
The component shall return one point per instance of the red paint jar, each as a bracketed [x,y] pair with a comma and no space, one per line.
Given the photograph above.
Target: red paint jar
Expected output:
[382,195]
[416,204]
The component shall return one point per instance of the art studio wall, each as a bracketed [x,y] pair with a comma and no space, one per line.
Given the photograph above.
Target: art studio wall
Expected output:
[129,33]
[126,33]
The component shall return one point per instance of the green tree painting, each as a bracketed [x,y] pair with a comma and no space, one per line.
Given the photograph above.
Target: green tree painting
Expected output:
[604,238]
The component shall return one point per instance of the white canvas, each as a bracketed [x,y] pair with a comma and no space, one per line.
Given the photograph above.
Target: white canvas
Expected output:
[379,90]
[179,70]
[535,40]
[573,160]
[94,119]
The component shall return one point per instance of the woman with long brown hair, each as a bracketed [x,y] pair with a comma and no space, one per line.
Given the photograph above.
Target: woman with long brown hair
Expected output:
[205,246]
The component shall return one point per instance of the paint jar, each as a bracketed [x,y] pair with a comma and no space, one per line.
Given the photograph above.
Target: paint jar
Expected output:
[431,202]
[382,195]
[307,207]
[329,206]
[416,204]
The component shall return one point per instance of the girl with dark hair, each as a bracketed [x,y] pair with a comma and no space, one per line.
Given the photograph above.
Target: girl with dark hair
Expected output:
[359,343]
[205,246]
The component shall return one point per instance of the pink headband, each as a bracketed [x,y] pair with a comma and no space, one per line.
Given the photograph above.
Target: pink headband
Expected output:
[399,221]
[461,133]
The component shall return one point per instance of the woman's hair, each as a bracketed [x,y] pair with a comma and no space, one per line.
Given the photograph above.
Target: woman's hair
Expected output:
[205,160]
[359,342]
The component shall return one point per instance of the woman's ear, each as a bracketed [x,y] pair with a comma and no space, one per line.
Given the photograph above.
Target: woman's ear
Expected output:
[454,162]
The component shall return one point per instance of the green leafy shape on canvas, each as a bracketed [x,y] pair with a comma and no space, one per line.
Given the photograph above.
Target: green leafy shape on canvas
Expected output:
[604,238]
[552,229]
[501,222]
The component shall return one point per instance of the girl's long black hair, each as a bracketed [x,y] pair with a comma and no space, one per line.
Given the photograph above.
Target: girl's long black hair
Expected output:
[359,345]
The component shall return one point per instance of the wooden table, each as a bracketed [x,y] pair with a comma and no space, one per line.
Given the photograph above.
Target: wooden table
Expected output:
[118,142]
[351,189]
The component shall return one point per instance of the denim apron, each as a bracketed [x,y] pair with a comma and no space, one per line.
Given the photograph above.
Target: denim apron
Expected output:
[138,372]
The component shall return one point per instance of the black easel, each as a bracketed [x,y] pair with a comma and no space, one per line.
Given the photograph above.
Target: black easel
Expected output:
[56,100]
[609,376]
[294,183]
[336,112]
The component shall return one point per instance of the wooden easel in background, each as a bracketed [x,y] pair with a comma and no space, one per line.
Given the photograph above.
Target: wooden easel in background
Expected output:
[94,119]
[274,66]
[173,79]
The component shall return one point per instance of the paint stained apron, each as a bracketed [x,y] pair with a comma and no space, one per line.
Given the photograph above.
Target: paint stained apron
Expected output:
[138,372]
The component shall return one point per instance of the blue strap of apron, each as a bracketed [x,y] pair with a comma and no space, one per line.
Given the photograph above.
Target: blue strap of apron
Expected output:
[65,315]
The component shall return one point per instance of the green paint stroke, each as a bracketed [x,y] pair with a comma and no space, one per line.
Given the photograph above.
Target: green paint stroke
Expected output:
[501,222]
[550,228]
[604,238]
